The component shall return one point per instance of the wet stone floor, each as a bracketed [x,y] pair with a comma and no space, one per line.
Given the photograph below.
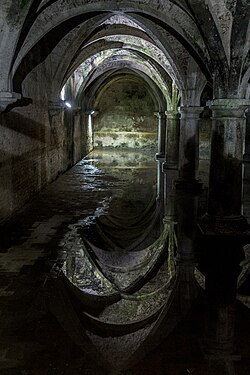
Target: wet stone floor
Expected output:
[34,338]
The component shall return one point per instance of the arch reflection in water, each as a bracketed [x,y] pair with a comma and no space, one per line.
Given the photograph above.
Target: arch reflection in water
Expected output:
[121,273]
[118,298]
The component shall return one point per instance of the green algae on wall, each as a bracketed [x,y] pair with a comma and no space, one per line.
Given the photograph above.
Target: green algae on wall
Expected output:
[23,3]
[126,115]
[14,16]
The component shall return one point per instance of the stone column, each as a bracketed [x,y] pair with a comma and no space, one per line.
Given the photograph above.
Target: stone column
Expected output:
[161,135]
[90,129]
[77,136]
[169,177]
[160,181]
[160,155]
[172,140]
[170,166]
[189,145]
[225,179]
[246,157]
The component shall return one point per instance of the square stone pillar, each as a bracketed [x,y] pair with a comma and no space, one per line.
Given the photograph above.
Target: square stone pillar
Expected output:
[161,135]
[225,178]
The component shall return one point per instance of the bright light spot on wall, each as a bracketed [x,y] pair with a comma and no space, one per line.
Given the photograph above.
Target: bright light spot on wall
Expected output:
[68,105]
[62,95]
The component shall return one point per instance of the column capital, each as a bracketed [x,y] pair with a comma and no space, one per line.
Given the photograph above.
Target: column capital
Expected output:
[190,112]
[55,107]
[211,225]
[229,108]
[160,115]
[7,98]
[172,114]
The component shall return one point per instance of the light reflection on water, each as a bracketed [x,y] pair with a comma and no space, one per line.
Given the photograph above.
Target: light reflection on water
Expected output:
[125,293]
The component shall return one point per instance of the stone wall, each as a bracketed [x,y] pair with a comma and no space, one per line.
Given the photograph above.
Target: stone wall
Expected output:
[36,145]
[126,116]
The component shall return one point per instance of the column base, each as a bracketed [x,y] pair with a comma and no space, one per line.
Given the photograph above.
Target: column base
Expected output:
[169,219]
[217,225]
[166,166]
[160,157]
[192,186]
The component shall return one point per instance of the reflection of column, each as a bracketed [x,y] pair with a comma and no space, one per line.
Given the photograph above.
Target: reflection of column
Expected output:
[77,137]
[170,177]
[172,140]
[186,203]
[161,135]
[225,178]
[223,228]
[160,181]
[220,265]
[189,144]
[247,147]
[90,131]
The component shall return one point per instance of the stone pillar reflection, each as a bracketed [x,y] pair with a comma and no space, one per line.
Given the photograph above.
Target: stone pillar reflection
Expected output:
[186,203]
[225,178]
[220,264]
[160,155]
[161,134]
[90,129]
[223,227]
[169,177]
[77,137]
[172,140]
[160,181]
[189,144]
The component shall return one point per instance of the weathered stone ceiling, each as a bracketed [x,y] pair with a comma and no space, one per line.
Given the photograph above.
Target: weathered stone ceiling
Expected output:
[103,80]
[214,33]
[47,16]
[117,59]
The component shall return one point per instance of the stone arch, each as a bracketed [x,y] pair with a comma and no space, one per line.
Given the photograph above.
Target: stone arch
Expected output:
[63,22]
